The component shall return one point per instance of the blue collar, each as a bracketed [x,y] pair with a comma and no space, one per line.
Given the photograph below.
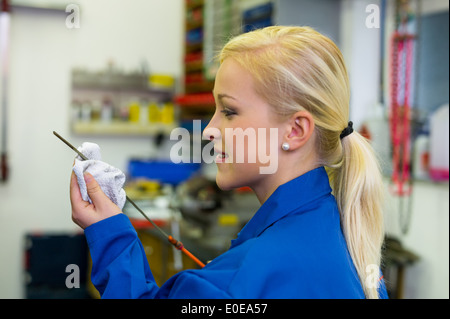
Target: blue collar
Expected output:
[287,198]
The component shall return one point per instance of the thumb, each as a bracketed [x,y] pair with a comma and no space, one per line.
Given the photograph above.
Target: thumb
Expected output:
[93,189]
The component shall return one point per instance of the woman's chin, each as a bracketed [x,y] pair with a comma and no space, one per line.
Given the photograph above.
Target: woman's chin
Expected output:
[225,181]
[222,184]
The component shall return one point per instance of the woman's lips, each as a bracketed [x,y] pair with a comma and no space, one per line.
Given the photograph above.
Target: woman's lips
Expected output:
[221,156]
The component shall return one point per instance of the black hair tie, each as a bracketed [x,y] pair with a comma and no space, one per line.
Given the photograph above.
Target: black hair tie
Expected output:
[347,131]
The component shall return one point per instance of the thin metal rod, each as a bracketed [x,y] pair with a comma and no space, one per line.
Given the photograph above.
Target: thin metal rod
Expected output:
[71,146]
[147,218]
[173,241]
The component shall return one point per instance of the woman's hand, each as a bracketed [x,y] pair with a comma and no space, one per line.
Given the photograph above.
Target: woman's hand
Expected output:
[85,214]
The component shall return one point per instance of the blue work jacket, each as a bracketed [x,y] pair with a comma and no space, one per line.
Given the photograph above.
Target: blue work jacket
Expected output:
[293,247]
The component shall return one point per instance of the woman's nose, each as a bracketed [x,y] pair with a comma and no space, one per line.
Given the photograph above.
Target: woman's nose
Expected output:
[211,132]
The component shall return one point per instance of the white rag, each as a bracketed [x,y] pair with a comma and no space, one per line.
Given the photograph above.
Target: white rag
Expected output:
[109,178]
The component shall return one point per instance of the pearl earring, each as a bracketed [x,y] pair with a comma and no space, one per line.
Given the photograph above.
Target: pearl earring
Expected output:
[285,146]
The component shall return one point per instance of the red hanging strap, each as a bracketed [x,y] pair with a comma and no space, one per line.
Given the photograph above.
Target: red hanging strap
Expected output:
[400,111]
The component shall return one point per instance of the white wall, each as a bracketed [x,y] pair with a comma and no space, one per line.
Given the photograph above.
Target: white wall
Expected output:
[360,46]
[43,51]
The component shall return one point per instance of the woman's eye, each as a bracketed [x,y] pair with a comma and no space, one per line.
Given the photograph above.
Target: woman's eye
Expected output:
[228,113]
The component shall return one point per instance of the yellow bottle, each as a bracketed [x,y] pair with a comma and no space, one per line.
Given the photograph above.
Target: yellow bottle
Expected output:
[167,113]
[134,112]
[154,114]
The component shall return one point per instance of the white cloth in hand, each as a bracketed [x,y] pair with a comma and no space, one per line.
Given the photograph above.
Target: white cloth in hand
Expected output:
[109,178]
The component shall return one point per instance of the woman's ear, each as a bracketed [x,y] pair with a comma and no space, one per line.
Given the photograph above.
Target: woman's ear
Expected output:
[300,127]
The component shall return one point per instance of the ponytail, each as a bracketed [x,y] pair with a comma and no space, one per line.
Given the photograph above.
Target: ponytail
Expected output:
[358,187]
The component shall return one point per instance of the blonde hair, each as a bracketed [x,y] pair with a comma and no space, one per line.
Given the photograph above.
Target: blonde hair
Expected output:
[297,68]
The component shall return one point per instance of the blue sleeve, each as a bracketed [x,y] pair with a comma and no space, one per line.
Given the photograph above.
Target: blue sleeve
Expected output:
[119,265]
[120,268]
[193,284]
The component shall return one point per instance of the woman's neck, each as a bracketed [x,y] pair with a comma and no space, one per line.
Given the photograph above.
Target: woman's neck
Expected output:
[267,185]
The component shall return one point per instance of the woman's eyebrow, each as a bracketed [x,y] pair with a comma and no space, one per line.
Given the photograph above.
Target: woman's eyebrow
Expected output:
[220,96]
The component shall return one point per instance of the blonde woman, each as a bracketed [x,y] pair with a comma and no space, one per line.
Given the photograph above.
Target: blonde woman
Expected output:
[318,232]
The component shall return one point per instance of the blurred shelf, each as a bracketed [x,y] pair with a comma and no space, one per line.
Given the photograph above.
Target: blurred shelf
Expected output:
[121,128]
[39,4]
[196,100]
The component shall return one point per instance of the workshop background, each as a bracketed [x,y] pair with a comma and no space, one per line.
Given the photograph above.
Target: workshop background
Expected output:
[124,74]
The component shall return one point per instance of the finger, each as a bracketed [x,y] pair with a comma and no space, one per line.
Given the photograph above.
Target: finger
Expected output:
[98,197]
[75,193]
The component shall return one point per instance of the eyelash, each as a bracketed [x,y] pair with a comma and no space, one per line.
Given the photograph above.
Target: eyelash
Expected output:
[228,113]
